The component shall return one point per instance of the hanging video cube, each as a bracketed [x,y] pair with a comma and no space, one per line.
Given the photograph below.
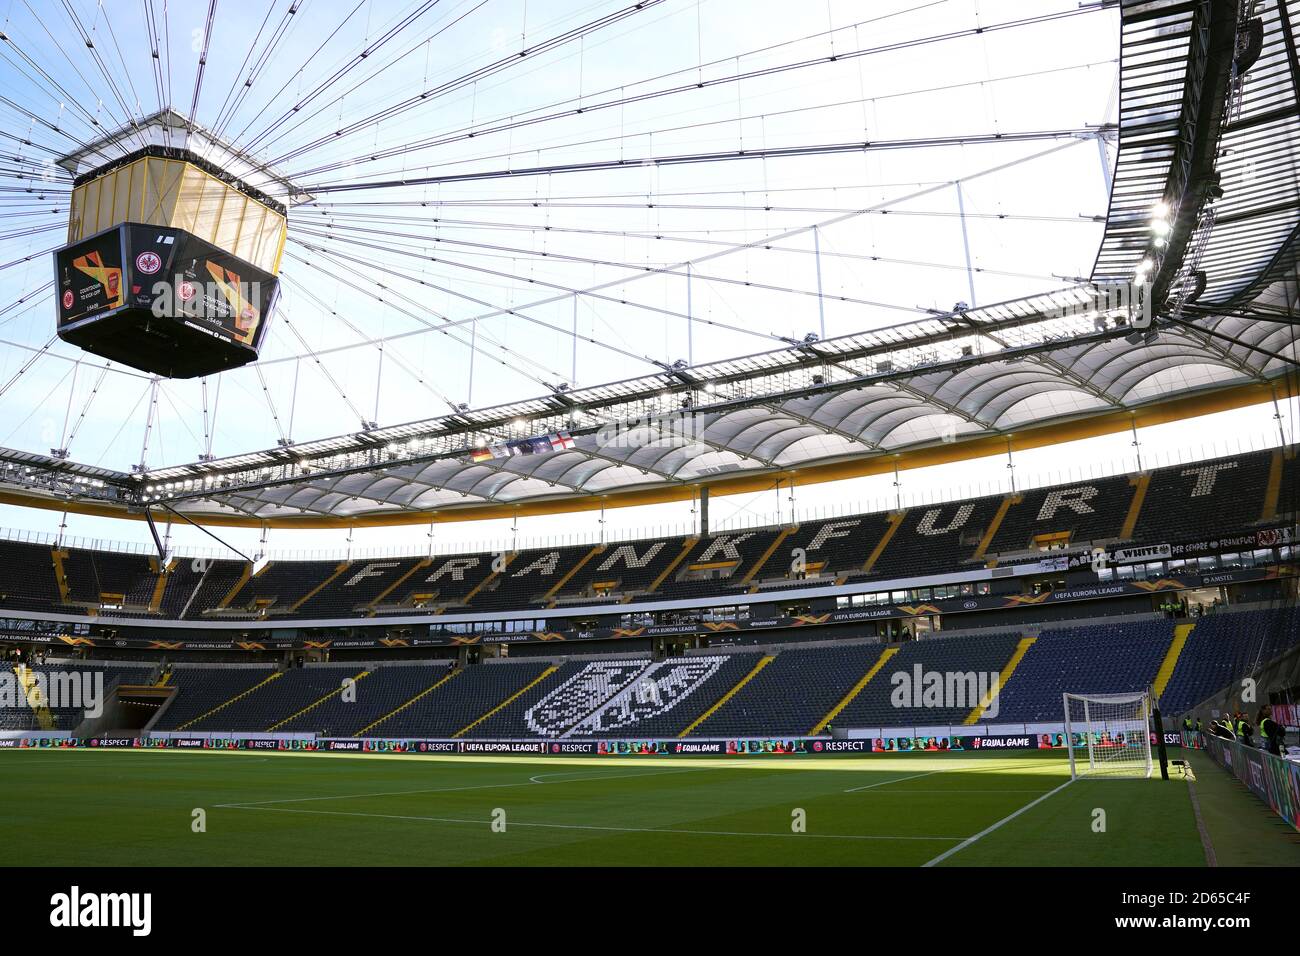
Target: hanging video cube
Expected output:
[172,258]
[162,300]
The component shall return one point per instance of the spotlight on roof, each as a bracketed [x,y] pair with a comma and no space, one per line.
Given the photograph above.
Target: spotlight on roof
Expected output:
[1250,43]
[260,562]
[1213,187]
[1142,336]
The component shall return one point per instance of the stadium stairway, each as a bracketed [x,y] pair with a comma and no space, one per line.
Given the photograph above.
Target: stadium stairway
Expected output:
[237,697]
[1167,666]
[1140,485]
[549,597]
[1272,488]
[487,581]
[164,573]
[1008,669]
[687,547]
[402,579]
[316,703]
[60,574]
[763,558]
[895,522]
[338,571]
[863,681]
[32,694]
[763,662]
[519,693]
[991,531]
[1225,647]
[1102,658]
[244,576]
[397,710]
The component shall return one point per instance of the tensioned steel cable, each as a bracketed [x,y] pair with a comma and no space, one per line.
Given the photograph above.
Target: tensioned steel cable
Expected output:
[203,64]
[608,263]
[104,71]
[470,131]
[621,137]
[690,237]
[252,48]
[369,50]
[302,289]
[776,152]
[505,311]
[681,88]
[449,323]
[446,327]
[491,69]
[756,333]
[775,237]
[446,330]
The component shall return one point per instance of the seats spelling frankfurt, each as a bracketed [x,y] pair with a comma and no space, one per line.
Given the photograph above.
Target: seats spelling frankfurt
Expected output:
[1181,503]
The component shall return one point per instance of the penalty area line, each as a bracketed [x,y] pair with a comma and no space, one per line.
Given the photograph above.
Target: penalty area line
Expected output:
[532,781]
[987,830]
[588,826]
[914,776]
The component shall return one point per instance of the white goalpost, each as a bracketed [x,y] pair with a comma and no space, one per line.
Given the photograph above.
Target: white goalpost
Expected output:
[1112,730]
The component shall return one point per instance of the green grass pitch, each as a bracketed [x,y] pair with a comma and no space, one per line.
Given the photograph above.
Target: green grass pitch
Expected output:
[137,808]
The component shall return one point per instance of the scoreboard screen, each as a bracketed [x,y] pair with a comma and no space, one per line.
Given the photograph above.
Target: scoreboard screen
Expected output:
[178,275]
[162,300]
[90,277]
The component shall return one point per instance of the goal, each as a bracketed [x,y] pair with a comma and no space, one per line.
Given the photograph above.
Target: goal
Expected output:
[1109,735]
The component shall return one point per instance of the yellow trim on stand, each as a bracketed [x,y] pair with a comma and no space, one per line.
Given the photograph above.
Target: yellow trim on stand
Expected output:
[513,697]
[1140,483]
[728,695]
[1010,668]
[856,689]
[895,522]
[1181,633]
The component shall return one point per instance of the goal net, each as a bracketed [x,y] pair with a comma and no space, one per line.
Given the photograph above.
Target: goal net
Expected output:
[1109,735]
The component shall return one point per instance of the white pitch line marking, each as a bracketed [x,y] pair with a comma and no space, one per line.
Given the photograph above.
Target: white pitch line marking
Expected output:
[532,781]
[537,778]
[951,793]
[872,786]
[348,796]
[581,826]
[986,831]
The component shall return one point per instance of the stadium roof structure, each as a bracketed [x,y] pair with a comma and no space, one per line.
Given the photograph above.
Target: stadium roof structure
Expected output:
[1200,239]
[166,132]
